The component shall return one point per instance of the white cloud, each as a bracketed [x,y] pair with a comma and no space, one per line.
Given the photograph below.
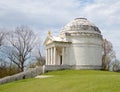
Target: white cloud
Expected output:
[43,15]
[107,10]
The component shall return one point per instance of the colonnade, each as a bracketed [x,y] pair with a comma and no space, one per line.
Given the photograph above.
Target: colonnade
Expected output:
[52,56]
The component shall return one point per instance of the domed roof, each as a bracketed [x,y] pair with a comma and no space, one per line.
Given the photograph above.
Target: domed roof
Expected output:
[79,25]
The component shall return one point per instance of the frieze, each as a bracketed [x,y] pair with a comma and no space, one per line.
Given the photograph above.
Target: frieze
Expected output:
[81,27]
[84,34]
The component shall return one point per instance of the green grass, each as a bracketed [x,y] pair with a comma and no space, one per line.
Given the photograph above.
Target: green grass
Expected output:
[68,81]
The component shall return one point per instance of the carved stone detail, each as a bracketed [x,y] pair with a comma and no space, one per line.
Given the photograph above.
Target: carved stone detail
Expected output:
[84,34]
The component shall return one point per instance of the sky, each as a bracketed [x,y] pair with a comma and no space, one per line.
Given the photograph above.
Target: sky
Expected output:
[45,15]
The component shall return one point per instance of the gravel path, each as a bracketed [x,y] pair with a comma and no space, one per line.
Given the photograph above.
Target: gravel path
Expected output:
[44,76]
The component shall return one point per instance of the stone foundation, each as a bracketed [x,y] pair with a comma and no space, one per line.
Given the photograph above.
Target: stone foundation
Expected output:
[75,67]
[87,67]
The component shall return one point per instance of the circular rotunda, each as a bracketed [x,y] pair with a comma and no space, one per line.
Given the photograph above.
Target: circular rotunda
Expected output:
[78,45]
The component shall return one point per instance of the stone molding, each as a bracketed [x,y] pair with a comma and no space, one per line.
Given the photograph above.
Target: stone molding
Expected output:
[85,44]
[59,44]
[81,27]
[84,34]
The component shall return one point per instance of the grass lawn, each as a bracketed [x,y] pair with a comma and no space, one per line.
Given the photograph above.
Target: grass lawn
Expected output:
[68,81]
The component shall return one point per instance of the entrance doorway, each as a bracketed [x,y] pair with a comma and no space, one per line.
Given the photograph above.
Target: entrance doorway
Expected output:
[60,59]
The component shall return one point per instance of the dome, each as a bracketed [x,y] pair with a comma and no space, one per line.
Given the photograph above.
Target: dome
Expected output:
[80,25]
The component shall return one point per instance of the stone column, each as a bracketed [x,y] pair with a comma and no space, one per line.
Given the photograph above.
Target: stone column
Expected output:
[46,57]
[63,54]
[54,55]
[51,55]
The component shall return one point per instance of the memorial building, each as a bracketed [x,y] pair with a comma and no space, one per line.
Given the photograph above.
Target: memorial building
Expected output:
[79,45]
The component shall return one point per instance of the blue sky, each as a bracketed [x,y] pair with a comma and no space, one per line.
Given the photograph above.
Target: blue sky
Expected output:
[44,15]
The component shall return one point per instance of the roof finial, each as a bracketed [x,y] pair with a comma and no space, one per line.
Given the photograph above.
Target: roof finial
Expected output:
[49,33]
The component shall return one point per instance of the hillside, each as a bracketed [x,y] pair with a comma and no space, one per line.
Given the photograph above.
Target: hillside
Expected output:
[68,81]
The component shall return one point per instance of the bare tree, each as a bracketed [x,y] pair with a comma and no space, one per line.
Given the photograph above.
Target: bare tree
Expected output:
[40,59]
[2,37]
[116,65]
[22,42]
[108,54]
[2,62]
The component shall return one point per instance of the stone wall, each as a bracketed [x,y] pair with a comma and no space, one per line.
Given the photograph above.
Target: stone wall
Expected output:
[31,73]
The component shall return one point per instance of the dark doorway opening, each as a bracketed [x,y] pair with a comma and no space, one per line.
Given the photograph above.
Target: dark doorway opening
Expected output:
[60,59]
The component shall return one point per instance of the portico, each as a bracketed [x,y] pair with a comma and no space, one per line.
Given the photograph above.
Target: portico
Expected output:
[55,52]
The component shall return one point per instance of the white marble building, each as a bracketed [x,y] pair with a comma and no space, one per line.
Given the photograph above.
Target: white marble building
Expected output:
[79,45]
